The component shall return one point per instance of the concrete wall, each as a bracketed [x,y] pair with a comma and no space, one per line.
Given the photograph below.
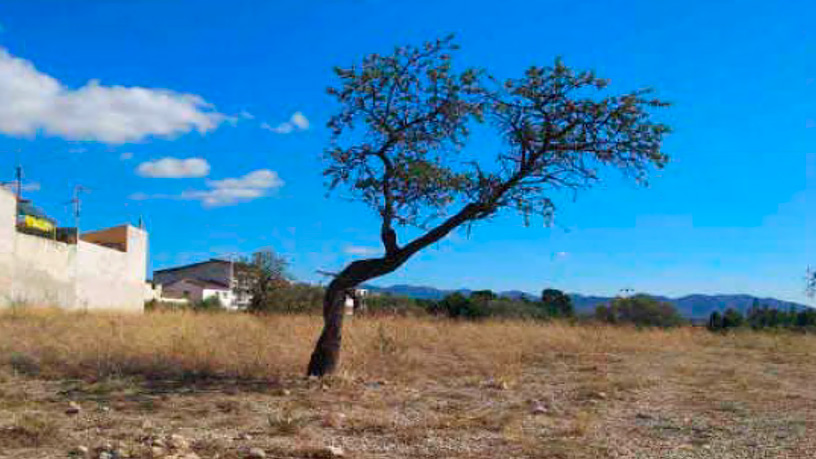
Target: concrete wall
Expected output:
[41,271]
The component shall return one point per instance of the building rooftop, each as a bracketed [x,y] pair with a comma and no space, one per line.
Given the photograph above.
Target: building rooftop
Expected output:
[177,268]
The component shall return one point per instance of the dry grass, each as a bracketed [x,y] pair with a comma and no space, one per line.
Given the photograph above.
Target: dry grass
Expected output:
[407,388]
[169,345]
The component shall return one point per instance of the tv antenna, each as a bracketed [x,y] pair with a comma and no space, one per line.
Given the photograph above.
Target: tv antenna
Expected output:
[76,201]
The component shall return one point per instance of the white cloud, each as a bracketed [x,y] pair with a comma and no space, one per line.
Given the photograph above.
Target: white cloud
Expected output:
[139,196]
[297,122]
[226,192]
[174,168]
[126,156]
[33,101]
[361,251]
[254,185]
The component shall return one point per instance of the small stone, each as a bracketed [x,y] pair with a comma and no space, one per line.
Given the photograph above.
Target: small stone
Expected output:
[334,451]
[177,442]
[285,392]
[82,451]
[601,395]
[157,452]
[334,420]
[538,408]
[256,453]
[106,455]
[73,408]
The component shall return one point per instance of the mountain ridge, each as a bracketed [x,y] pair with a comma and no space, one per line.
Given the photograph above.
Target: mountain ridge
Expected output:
[692,306]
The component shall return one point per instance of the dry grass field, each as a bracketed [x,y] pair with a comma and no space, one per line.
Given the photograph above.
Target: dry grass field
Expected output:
[184,385]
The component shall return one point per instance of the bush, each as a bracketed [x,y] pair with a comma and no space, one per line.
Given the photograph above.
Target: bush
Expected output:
[212,303]
[556,303]
[640,310]
[392,305]
[291,299]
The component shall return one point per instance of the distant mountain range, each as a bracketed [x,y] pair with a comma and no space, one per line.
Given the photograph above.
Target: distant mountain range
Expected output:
[695,306]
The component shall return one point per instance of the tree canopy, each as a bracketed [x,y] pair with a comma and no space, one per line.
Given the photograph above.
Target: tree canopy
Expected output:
[398,138]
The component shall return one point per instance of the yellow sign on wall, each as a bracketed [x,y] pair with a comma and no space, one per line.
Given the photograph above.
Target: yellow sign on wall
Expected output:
[38,223]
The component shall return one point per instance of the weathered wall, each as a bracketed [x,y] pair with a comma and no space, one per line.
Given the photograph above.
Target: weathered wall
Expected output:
[44,271]
[41,271]
[7,243]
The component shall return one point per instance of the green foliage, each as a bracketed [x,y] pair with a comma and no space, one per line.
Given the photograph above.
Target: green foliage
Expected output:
[260,277]
[715,321]
[557,303]
[458,306]
[294,298]
[403,119]
[209,304]
[640,310]
[764,318]
[394,305]
[482,304]
[732,318]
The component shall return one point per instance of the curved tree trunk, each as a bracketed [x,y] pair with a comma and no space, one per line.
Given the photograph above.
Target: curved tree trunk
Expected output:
[327,351]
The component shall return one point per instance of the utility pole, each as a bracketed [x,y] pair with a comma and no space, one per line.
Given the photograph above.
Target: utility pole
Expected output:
[19,180]
[77,203]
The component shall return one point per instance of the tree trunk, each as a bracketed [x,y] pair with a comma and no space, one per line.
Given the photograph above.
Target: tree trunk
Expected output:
[327,351]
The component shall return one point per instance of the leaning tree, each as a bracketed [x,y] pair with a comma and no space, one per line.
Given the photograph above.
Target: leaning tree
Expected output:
[398,141]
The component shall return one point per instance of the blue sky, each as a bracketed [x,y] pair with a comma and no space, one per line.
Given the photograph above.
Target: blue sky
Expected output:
[729,214]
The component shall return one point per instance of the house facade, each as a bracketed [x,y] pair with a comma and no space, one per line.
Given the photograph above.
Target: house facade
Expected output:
[200,281]
[103,269]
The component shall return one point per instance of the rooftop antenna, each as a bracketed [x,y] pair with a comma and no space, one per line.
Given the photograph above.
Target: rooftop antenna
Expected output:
[77,203]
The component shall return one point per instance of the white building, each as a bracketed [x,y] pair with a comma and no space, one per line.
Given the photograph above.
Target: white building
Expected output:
[356,303]
[200,281]
[97,270]
[196,291]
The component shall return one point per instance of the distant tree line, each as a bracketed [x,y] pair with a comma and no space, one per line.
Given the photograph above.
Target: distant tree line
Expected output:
[480,304]
[762,318]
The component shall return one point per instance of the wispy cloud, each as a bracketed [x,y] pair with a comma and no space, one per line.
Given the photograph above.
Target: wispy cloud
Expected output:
[297,122]
[36,102]
[226,192]
[361,250]
[126,156]
[32,186]
[231,191]
[174,168]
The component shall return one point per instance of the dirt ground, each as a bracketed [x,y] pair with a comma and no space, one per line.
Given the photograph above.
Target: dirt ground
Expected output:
[683,395]
[662,405]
